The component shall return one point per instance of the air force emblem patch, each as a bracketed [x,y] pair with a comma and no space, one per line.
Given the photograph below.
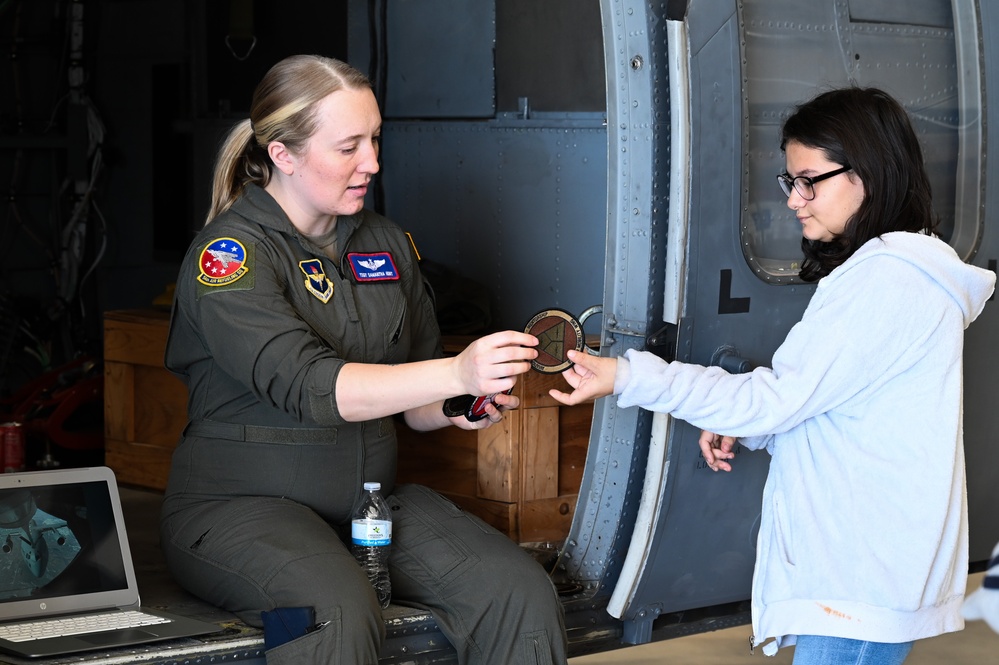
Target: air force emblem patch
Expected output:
[376,267]
[223,261]
[315,279]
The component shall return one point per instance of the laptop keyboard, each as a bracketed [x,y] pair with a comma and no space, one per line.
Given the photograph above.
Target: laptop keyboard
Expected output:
[79,625]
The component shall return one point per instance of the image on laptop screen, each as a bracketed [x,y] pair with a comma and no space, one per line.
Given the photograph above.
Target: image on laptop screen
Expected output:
[58,541]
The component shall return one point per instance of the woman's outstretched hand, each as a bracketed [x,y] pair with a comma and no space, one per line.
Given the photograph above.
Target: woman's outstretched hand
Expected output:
[492,363]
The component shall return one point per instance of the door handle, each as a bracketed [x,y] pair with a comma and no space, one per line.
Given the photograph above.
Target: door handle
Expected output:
[728,358]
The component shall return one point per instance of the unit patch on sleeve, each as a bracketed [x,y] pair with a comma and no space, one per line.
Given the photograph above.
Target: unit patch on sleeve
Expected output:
[376,267]
[315,279]
[223,261]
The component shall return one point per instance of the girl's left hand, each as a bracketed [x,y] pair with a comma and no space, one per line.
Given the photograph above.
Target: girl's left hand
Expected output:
[716,449]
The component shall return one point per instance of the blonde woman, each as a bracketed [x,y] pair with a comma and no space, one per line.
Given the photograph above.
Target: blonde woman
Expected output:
[301,327]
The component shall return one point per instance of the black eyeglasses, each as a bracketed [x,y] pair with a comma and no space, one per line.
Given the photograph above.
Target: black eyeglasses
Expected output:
[804,185]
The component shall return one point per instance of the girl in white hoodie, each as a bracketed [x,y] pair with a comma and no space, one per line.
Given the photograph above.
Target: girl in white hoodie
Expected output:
[863,544]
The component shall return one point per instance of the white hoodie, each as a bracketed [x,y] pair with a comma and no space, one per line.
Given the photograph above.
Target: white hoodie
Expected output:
[864,531]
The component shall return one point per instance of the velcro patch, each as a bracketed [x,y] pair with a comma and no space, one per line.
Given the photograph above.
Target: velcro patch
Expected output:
[223,261]
[315,279]
[376,267]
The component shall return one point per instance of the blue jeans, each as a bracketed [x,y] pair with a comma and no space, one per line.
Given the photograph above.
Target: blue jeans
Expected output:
[820,650]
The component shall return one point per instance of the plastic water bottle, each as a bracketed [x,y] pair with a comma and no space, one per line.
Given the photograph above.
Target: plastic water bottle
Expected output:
[371,539]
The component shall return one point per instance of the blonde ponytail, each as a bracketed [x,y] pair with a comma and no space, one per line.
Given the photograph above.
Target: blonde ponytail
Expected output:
[238,162]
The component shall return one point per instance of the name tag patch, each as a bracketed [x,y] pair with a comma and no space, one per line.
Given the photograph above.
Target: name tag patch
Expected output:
[376,267]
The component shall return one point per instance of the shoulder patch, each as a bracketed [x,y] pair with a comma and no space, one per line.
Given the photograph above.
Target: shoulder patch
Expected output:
[223,261]
[373,267]
[315,279]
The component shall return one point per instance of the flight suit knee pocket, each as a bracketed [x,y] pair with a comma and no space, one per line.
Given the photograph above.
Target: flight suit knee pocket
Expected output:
[427,545]
[322,645]
[537,648]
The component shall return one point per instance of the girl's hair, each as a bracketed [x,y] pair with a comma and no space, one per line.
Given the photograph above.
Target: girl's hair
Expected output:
[868,130]
[283,109]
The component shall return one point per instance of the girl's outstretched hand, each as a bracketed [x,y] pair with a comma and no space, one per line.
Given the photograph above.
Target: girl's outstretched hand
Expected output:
[590,377]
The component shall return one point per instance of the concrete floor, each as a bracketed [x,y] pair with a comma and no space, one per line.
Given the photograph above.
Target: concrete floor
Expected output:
[977,644]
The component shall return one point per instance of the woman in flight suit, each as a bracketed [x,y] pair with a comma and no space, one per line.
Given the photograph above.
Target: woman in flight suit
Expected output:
[301,326]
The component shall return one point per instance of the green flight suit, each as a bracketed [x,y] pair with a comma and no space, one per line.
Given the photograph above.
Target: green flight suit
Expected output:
[267,473]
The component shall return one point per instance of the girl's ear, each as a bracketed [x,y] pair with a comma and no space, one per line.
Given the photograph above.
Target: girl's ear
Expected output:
[281,157]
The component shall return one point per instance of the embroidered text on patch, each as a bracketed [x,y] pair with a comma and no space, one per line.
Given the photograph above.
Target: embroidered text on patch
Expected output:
[222,262]
[375,267]
[315,279]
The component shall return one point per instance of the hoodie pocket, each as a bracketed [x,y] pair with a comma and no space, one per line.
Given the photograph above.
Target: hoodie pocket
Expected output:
[782,530]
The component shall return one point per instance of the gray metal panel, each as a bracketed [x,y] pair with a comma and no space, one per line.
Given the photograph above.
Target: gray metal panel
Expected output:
[932,14]
[549,52]
[440,59]
[511,204]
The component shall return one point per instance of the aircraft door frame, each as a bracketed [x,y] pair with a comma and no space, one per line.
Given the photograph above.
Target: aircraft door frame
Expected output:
[682,558]
[637,129]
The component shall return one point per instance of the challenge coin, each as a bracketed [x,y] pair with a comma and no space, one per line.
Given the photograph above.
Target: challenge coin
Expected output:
[557,331]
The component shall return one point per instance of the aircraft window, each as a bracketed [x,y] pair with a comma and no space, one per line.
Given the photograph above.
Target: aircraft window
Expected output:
[926,54]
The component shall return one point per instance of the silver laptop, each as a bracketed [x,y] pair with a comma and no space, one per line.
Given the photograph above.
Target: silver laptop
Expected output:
[65,568]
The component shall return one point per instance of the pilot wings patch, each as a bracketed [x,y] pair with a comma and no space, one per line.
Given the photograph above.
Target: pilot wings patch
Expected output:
[376,267]
[223,261]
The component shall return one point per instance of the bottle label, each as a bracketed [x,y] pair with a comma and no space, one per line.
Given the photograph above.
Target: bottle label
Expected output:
[371,532]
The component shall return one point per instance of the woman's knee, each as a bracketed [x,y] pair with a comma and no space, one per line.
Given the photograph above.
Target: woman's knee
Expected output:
[518,575]
[354,606]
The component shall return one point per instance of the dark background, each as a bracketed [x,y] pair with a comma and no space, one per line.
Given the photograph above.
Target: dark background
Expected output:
[102,109]
[111,112]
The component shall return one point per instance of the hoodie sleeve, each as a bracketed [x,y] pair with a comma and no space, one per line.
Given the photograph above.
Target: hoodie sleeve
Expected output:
[864,325]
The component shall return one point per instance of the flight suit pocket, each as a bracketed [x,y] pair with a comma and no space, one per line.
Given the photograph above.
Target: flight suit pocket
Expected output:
[396,335]
[537,648]
[322,645]
[429,541]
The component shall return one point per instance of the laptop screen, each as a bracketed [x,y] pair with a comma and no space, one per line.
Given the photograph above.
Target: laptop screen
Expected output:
[62,543]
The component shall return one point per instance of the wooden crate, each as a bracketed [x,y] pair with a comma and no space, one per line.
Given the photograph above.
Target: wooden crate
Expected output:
[145,406]
[521,475]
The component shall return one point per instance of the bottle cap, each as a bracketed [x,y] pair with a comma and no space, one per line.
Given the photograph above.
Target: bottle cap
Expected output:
[372,486]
